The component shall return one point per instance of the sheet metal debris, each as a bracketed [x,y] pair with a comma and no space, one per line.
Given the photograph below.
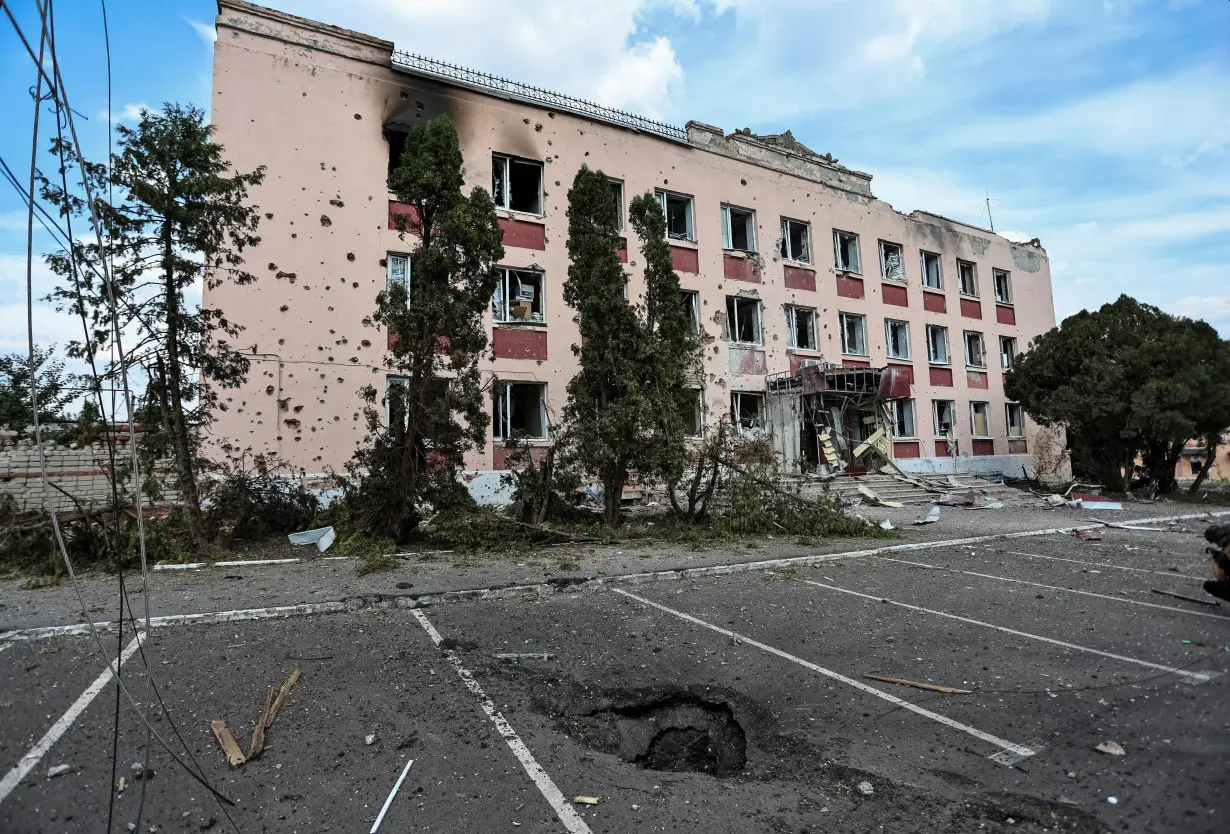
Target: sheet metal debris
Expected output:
[322,537]
[932,516]
[1110,748]
[870,496]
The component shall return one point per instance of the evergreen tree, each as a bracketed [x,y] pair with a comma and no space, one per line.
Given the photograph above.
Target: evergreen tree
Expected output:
[50,381]
[435,407]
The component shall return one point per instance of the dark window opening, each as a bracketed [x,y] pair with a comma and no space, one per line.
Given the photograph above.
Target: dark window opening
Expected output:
[794,244]
[738,229]
[747,409]
[520,410]
[397,145]
[678,212]
[743,320]
[518,297]
[516,184]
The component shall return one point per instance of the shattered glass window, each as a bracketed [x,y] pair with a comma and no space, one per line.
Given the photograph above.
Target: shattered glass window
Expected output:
[891,265]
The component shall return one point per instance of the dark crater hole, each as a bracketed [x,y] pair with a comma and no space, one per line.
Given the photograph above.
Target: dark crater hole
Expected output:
[679,733]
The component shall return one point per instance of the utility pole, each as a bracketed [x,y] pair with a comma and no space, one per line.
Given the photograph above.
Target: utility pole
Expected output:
[990,219]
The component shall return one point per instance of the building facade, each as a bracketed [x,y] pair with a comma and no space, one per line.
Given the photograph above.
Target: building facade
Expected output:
[787,257]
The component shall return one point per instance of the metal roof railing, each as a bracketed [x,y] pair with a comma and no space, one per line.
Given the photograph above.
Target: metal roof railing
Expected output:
[516,91]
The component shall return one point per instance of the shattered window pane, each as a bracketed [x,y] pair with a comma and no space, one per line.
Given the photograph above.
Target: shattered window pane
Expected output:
[794,243]
[1007,352]
[890,261]
[1003,286]
[499,177]
[1016,419]
[975,350]
[747,409]
[979,423]
[617,194]
[738,229]
[845,251]
[937,344]
[897,335]
[691,307]
[518,297]
[398,271]
[678,212]
[525,186]
[519,410]
[853,334]
[903,418]
[931,270]
[743,320]
[801,328]
[967,278]
[693,416]
[943,418]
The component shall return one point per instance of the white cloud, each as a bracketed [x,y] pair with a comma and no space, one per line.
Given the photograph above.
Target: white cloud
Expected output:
[1215,309]
[205,31]
[642,79]
[130,112]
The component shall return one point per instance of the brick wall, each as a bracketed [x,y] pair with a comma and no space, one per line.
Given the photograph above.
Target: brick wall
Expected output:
[80,471]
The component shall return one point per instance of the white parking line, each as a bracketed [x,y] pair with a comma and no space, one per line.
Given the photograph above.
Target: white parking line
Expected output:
[567,815]
[1019,751]
[13,778]
[1198,677]
[1106,565]
[1057,588]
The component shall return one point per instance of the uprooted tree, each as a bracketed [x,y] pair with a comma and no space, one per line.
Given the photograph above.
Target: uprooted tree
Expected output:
[434,406]
[638,358]
[1127,380]
[180,219]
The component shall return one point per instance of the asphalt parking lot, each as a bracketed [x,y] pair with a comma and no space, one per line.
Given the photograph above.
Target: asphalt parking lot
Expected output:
[720,703]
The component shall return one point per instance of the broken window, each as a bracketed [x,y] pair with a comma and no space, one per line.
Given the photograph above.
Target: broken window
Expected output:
[903,418]
[801,328]
[853,334]
[617,194]
[397,271]
[897,338]
[1016,419]
[943,413]
[975,350]
[892,267]
[979,420]
[937,345]
[516,184]
[519,410]
[1003,286]
[690,299]
[747,409]
[738,229]
[397,144]
[694,415]
[931,275]
[845,251]
[518,297]
[743,320]
[967,279]
[678,211]
[1007,352]
[395,400]
[796,241]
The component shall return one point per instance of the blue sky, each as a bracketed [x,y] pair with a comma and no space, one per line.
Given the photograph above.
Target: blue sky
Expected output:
[1100,126]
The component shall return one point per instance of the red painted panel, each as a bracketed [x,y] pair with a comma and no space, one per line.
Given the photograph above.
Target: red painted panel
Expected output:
[523,234]
[971,308]
[850,286]
[941,449]
[941,377]
[685,259]
[740,269]
[501,454]
[412,214]
[1018,446]
[1005,314]
[896,381]
[908,370]
[934,302]
[798,278]
[520,344]
[622,251]
[895,294]
[855,363]
[906,449]
[984,447]
[977,379]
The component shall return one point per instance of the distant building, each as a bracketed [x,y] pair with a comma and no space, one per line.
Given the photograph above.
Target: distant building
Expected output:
[787,258]
[1196,453]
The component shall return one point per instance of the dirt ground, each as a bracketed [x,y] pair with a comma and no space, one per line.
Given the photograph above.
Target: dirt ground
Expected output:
[716,691]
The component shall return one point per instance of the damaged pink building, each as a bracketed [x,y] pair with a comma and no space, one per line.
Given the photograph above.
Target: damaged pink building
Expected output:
[788,260]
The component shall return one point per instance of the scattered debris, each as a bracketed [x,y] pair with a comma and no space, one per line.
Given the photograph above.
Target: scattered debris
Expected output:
[524,656]
[959,499]
[322,537]
[1110,748]
[870,497]
[586,800]
[1208,602]
[1131,526]
[120,785]
[866,788]
[58,770]
[932,516]
[385,808]
[1086,536]
[269,712]
[887,525]
[1095,502]
[990,505]
[947,690]
[234,756]
[1112,800]
[369,739]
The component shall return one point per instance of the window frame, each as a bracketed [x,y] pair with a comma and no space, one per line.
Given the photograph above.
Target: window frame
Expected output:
[662,196]
[888,339]
[982,341]
[700,416]
[505,425]
[621,200]
[507,160]
[1007,359]
[939,269]
[786,250]
[947,360]
[761,412]
[996,275]
[858,252]
[691,298]
[792,324]
[1008,408]
[913,421]
[732,322]
[973,423]
[973,272]
[952,419]
[901,279]
[389,260]
[728,231]
[842,318]
[506,271]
